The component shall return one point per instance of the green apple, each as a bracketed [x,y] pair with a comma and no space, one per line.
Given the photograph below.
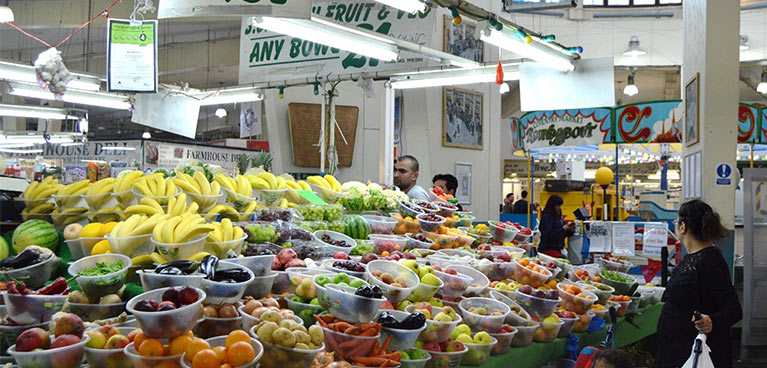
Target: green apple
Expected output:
[449,311]
[404,304]
[424,270]
[418,344]
[482,337]
[425,312]
[502,286]
[411,264]
[315,301]
[464,338]
[460,329]
[442,317]
[436,302]
[97,341]
[404,354]
[430,279]
[552,319]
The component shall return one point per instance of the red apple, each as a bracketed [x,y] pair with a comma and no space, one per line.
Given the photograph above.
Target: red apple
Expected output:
[109,331]
[340,255]
[33,338]
[65,340]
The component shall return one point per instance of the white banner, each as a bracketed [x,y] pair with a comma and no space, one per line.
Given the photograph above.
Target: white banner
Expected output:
[655,238]
[131,56]
[208,8]
[623,238]
[177,114]
[269,56]
[250,119]
[169,155]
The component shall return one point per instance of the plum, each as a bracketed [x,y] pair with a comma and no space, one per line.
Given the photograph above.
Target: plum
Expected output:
[525,289]
[144,306]
[286,255]
[170,295]
[295,262]
[187,295]
[276,265]
[367,258]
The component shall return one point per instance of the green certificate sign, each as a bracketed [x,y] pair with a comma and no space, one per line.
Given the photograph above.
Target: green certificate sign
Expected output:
[132,55]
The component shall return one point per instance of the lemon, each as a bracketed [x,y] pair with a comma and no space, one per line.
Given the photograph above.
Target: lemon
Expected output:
[91,230]
[101,247]
[107,228]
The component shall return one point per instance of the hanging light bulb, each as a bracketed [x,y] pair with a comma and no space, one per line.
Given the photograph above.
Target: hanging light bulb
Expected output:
[631,88]
[456,16]
[634,50]
[504,88]
[221,112]
[146,135]
[762,86]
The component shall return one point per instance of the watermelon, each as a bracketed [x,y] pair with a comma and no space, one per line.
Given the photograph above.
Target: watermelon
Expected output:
[356,227]
[35,232]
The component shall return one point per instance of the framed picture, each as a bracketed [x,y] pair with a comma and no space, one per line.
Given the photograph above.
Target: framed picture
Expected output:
[463,174]
[692,111]
[461,118]
[459,40]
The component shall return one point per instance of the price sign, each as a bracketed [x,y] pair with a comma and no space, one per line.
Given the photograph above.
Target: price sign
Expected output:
[655,238]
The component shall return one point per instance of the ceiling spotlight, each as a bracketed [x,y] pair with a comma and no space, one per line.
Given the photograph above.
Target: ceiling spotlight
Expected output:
[634,50]
[6,14]
[504,87]
[762,86]
[631,88]
[743,42]
[146,135]
[221,112]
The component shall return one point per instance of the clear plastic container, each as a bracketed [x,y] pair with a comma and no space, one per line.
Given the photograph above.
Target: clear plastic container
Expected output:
[603,313]
[130,246]
[442,241]
[583,322]
[620,266]
[363,344]
[634,306]
[574,303]
[222,292]
[297,275]
[62,220]
[446,360]
[430,226]
[622,306]
[567,326]
[646,295]
[151,280]
[204,202]
[223,249]
[281,283]
[322,294]
[266,197]
[415,363]
[180,251]
[537,307]
[337,237]
[659,290]
[343,304]
[166,324]
[446,209]
[454,285]
[70,356]
[276,356]
[417,244]
[75,248]
[424,292]
[479,281]
[32,309]
[297,307]
[261,286]
[98,201]
[125,198]
[36,216]
[409,209]
[395,242]
[602,291]
[96,286]
[563,264]
[465,220]
[437,331]
[380,224]
[401,339]
[450,222]
[622,288]
[478,353]
[547,332]
[63,202]
[502,342]
[392,293]
[93,312]
[233,216]
[259,265]
[491,321]
[463,240]
[502,234]
[499,271]
[517,315]
[148,362]
[211,327]
[9,334]
[525,334]
[529,277]
[34,276]
[247,321]
[513,252]
[404,226]
[221,341]
[106,216]
[113,358]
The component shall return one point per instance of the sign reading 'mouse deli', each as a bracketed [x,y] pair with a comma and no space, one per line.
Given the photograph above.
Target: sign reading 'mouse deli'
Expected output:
[565,127]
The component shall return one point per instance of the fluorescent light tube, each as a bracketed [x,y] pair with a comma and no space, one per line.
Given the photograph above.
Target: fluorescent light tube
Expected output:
[452,77]
[21,151]
[17,72]
[228,96]
[410,6]
[35,112]
[116,148]
[332,35]
[102,99]
[15,145]
[537,52]
[36,139]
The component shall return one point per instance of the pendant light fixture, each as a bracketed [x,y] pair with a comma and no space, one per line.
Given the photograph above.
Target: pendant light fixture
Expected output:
[762,86]
[634,50]
[631,88]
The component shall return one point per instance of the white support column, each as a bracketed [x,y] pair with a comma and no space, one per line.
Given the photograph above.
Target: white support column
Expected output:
[386,159]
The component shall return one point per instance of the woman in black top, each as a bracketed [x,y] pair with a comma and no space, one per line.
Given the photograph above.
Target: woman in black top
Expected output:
[553,229]
[701,282]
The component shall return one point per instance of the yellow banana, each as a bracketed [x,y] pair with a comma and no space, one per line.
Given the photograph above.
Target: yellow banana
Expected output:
[281,183]
[170,229]
[45,192]
[162,187]
[202,182]
[151,182]
[188,233]
[70,189]
[75,210]
[151,202]
[142,209]
[147,226]
[215,188]
[334,184]
[270,178]
[283,203]
[198,256]
[144,260]
[319,181]
[250,207]
[237,232]
[214,237]
[223,180]
[43,208]
[292,184]
[226,226]
[192,208]
[170,188]
[257,182]
[30,189]
[157,258]
[304,185]
[186,186]
[143,187]
[243,186]
[221,208]
[117,230]
[125,181]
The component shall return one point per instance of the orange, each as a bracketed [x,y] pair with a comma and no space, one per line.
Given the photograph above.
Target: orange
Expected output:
[237,336]
[194,346]
[240,353]
[179,343]
[205,358]
[151,348]
[221,352]
[168,364]
[138,339]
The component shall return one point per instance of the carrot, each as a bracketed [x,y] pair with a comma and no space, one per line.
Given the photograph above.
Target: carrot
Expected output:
[340,355]
[340,326]
[352,330]
[370,361]
[386,343]
[393,356]
[347,345]
[376,349]
[321,321]
[369,332]
[365,326]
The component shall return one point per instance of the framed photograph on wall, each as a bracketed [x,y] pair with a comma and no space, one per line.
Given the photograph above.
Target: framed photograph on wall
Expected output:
[461,118]
[463,174]
[692,111]
[459,40]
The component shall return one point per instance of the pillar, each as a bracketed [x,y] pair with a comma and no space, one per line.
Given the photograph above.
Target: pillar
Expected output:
[711,31]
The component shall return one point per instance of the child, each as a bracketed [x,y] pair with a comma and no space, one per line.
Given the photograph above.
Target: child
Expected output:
[613,358]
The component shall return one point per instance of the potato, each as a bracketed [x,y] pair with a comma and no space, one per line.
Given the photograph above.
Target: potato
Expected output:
[302,337]
[266,332]
[271,315]
[282,336]
[315,332]
[288,323]
[302,346]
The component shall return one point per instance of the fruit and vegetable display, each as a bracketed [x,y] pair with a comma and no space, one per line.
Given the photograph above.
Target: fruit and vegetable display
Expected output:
[419,280]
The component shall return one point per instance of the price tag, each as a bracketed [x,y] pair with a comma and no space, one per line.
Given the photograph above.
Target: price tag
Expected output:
[623,238]
[311,197]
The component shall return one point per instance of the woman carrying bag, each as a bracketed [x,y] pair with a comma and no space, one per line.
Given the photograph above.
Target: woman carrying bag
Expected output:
[701,282]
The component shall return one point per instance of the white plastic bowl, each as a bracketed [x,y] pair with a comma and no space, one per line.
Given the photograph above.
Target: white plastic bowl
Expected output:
[180,251]
[97,286]
[166,324]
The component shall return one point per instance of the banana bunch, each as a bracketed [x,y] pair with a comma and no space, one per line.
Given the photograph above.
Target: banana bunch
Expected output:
[327,182]
[199,189]
[292,195]
[179,229]
[41,189]
[155,185]
[137,225]
[236,189]
[70,194]
[224,231]
[266,181]
[150,206]
[97,193]
[126,179]
[157,259]
[37,212]
[228,211]
[68,216]
[107,214]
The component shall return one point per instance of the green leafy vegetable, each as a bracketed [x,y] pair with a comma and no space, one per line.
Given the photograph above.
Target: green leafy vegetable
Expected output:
[102,268]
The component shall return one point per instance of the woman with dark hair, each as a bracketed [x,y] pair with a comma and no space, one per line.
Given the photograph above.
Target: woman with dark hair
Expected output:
[553,229]
[701,282]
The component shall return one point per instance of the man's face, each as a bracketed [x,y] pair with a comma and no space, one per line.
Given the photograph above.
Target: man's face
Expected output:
[404,176]
[442,184]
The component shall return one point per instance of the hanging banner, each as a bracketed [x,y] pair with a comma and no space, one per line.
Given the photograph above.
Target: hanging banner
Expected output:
[177,114]
[652,122]
[516,134]
[131,55]
[565,127]
[655,238]
[235,8]
[748,116]
[128,151]
[250,119]
[168,155]
[269,56]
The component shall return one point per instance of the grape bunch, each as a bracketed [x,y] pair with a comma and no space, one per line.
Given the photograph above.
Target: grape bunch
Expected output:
[261,233]
[349,266]
[311,212]
[338,243]
[274,214]
[312,226]
[333,213]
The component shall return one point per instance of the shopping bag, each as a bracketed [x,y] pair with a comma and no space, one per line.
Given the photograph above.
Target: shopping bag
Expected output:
[700,357]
